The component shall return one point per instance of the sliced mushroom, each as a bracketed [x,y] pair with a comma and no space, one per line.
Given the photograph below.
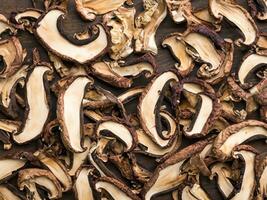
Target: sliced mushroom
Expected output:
[238,16]
[5,25]
[115,189]
[237,134]
[176,10]
[46,28]
[56,167]
[31,177]
[222,172]
[37,105]
[194,193]
[69,111]
[88,9]
[147,24]
[261,175]
[7,193]
[10,166]
[147,108]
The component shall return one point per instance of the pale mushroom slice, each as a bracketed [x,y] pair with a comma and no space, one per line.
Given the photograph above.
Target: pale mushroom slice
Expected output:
[238,16]
[115,188]
[147,24]
[5,25]
[32,177]
[89,9]
[194,193]
[237,134]
[222,172]
[247,154]
[82,186]
[37,105]
[56,167]
[10,166]
[7,193]
[69,111]
[176,10]
[46,28]
[178,49]
[261,176]
[148,105]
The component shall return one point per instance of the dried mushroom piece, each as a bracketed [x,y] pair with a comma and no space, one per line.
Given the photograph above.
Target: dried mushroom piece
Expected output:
[69,111]
[89,9]
[37,105]
[237,134]
[6,26]
[176,10]
[258,8]
[8,192]
[30,178]
[55,3]
[222,172]
[194,193]
[238,16]
[147,24]
[148,108]
[10,166]
[261,176]
[115,189]
[47,27]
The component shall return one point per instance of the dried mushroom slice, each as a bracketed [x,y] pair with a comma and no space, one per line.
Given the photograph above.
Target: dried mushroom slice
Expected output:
[194,193]
[237,134]
[7,193]
[10,166]
[247,154]
[37,106]
[115,189]
[238,16]
[88,9]
[82,186]
[261,176]
[222,172]
[148,105]
[178,49]
[122,31]
[147,24]
[168,175]
[69,111]
[176,10]
[6,26]
[30,178]
[56,167]
[47,27]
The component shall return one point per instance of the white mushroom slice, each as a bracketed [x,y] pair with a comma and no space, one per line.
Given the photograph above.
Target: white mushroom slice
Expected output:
[186,195]
[69,112]
[26,15]
[9,166]
[46,28]
[82,187]
[7,194]
[198,192]
[148,102]
[37,104]
[238,16]
[9,126]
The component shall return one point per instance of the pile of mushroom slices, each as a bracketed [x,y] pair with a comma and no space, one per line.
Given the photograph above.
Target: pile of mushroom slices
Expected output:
[66,136]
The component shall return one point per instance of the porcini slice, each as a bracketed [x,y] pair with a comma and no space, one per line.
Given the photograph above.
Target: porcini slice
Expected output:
[69,112]
[8,193]
[46,28]
[10,166]
[37,105]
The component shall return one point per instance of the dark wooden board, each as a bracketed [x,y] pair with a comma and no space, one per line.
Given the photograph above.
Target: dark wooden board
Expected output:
[165,61]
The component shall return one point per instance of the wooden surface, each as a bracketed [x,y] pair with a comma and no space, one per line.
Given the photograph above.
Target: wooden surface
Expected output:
[73,24]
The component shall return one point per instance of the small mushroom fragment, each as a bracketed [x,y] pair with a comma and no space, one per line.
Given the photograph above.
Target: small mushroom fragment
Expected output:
[248,154]
[56,167]
[176,10]
[147,24]
[88,9]
[178,49]
[261,176]
[69,112]
[10,166]
[30,178]
[37,106]
[222,172]
[6,26]
[82,186]
[194,193]
[115,189]
[7,193]
[237,134]
[46,28]
[238,16]
[148,105]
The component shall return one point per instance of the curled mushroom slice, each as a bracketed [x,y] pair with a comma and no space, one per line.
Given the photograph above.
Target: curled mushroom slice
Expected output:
[82,186]
[147,24]
[88,9]
[237,134]
[7,192]
[261,176]
[115,189]
[37,105]
[194,193]
[10,166]
[178,49]
[46,28]
[222,172]
[147,108]
[5,25]
[56,167]
[69,111]
[168,175]
[32,177]
[247,154]
[238,16]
